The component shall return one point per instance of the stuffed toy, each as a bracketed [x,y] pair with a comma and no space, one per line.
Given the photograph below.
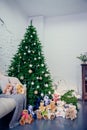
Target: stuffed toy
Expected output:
[71,112]
[30,111]
[56,97]
[26,118]
[51,115]
[20,89]
[45,114]
[39,115]
[41,107]
[46,100]
[53,106]
[8,89]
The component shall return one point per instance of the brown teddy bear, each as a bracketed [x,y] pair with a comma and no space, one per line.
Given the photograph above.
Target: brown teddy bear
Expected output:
[71,112]
[26,118]
[53,106]
[41,107]
[19,89]
[39,115]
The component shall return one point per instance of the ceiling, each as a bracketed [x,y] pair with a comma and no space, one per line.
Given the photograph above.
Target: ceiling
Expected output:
[48,7]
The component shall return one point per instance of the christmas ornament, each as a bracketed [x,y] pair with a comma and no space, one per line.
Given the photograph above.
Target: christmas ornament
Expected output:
[42,72]
[40,78]
[35,92]
[20,57]
[33,52]
[34,32]
[37,77]
[42,65]
[39,57]
[49,92]
[21,77]
[12,68]
[35,58]
[46,75]
[26,47]
[29,51]
[31,36]
[34,43]
[46,85]
[24,53]
[32,83]
[42,94]
[37,86]
[30,65]
[30,71]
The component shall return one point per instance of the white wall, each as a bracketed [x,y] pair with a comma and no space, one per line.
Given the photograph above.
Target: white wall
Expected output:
[65,39]
[11,33]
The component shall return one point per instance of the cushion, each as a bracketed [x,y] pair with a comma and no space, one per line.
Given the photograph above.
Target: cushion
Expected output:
[6,106]
[3,82]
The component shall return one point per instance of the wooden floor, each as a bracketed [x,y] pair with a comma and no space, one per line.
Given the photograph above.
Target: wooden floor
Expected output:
[80,123]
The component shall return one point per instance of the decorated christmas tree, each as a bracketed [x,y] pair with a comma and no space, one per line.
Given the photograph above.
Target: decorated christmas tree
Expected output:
[29,66]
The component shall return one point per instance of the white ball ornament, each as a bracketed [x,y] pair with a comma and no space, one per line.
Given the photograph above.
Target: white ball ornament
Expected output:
[36,92]
[49,92]
[30,71]
[46,85]
[39,57]
[37,77]
[29,51]
[42,65]
[24,53]
[34,43]
[37,86]
[35,58]
[26,47]
[42,94]
[31,36]
[21,77]
[46,75]
[40,78]
[32,83]
[12,68]
[30,65]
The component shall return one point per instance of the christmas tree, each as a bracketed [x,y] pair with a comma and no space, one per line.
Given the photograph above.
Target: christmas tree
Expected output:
[29,66]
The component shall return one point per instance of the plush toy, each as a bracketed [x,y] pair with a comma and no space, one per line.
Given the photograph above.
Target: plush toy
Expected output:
[20,89]
[51,115]
[26,118]
[56,97]
[53,106]
[8,89]
[71,112]
[41,107]
[46,100]
[30,111]
[39,115]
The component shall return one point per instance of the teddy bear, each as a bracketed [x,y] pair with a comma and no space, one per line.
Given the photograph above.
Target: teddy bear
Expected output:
[20,89]
[8,89]
[53,106]
[26,118]
[71,112]
[39,115]
[41,107]
[56,97]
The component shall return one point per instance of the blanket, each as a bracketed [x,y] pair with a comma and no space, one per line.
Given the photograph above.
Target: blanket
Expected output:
[20,105]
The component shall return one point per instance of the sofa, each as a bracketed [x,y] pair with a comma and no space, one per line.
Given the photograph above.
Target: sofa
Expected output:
[11,106]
